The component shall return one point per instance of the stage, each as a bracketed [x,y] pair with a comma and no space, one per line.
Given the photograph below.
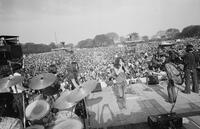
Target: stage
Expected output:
[141,101]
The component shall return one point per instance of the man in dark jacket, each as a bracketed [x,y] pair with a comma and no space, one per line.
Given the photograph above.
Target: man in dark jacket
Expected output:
[190,64]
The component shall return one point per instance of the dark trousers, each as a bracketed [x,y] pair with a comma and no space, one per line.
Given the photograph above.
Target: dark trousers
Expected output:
[193,74]
[171,91]
[119,91]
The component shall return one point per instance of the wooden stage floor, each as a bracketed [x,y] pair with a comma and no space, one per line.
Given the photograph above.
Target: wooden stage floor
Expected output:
[141,101]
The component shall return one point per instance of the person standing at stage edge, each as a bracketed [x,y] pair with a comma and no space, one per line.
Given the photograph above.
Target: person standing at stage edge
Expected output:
[170,60]
[190,64]
[120,81]
[73,75]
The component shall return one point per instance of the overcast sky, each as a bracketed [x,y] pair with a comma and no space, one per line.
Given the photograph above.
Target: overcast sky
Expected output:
[74,20]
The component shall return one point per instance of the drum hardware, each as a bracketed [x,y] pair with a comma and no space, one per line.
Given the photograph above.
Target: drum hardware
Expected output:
[10,81]
[42,81]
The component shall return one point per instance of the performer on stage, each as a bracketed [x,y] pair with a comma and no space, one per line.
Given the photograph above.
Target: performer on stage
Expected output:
[120,81]
[191,60]
[170,87]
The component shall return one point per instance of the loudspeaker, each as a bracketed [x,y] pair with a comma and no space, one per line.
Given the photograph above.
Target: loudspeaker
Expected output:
[12,53]
[16,52]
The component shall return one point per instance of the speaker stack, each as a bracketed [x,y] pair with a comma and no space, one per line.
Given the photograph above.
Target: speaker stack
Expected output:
[10,50]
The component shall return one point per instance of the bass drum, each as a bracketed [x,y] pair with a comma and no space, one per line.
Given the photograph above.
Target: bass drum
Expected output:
[66,120]
[68,124]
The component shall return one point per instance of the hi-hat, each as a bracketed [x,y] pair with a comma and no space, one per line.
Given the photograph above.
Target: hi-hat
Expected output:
[42,81]
[80,93]
[10,81]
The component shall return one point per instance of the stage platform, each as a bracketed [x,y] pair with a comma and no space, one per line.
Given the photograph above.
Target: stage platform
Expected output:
[141,101]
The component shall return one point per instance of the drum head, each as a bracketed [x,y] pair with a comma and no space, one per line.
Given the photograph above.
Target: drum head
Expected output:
[35,127]
[69,124]
[62,103]
[37,110]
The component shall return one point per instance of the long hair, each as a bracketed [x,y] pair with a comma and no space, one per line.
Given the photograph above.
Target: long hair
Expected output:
[117,64]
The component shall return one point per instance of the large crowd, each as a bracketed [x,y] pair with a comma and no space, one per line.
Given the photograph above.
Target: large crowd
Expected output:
[96,62]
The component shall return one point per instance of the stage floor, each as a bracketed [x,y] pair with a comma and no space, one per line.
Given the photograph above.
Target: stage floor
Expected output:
[141,101]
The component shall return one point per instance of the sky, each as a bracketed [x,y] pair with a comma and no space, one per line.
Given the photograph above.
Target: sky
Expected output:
[45,21]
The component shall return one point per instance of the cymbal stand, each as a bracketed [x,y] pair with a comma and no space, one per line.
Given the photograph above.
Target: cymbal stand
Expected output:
[23,106]
[87,113]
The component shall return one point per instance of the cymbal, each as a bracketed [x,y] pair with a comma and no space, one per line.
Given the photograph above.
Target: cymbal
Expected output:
[10,81]
[42,81]
[80,93]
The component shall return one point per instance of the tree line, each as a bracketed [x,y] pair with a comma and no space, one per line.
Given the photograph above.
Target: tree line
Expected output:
[104,40]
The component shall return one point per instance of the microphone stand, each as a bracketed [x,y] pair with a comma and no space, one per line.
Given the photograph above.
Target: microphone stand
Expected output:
[174,102]
[11,69]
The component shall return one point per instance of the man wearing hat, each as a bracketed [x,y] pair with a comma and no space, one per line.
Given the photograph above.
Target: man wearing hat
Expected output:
[190,64]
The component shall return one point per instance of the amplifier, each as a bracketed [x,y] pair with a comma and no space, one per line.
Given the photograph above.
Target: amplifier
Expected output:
[164,121]
[152,80]
[5,48]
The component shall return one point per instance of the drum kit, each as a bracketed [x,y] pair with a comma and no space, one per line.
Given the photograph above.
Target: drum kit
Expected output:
[45,112]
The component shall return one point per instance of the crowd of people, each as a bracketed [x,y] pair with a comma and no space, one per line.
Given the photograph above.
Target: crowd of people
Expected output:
[96,63]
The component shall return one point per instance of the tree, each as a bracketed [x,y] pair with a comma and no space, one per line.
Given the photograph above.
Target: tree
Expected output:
[88,43]
[190,31]
[122,39]
[102,40]
[52,45]
[172,33]
[29,48]
[145,38]
[62,44]
[133,36]
[70,45]
[114,36]
[159,35]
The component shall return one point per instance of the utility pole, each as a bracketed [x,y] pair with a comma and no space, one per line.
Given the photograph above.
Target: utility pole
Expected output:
[56,38]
